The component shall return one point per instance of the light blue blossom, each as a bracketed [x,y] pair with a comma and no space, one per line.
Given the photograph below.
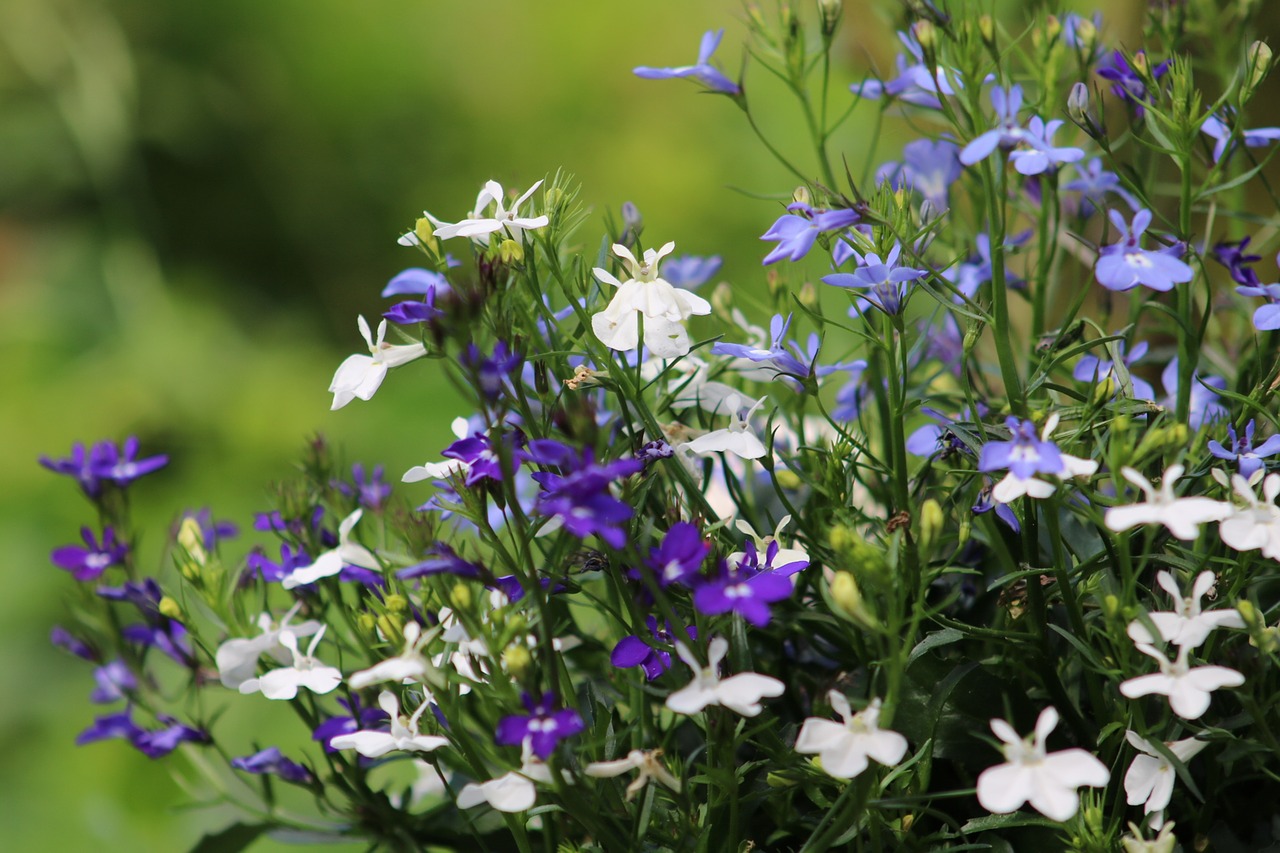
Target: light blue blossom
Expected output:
[1242,451]
[1040,155]
[702,71]
[1257,138]
[1205,404]
[1125,265]
[1097,370]
[885,282]
[929,167]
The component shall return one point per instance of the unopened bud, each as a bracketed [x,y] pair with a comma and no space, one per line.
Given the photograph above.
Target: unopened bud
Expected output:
[1052,27]
[1086,34]
[631,218]
[517,660]
[971,336]
[460,597]
[926,35]
[1249,614]
[169,607]
[390,626]
[1139,63]
[932,520]
[1257,66]
[987,29]
[722,297]
[1104,391]
[780,780]
[551,198]
[808,296]
[510,252]
[1110,606]
[829,12]
[366,622]
[424,229]
[396,603]
[1078,102]
[801,195]
[788,479]
[846,596]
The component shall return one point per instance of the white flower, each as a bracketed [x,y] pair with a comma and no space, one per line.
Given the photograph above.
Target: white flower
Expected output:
[237,658]
[1186,625]
[306,672]
[410,665]
[478,227]
[843,748]
[511,792]
[331,562]
[1188,688]
[663,306]
[403,735]
[644,760]
[440,470]
[1256,525]
[1149,780]
[738,438]
[740,693]
[1012,487]
[1183,516]
[1047,781]
[360,375]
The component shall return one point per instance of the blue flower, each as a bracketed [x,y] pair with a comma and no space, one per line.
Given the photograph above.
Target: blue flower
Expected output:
[1267,317]
[1242,451]
[1093,369]
[1024,455]
[1257,138]
[653,657]
[781,362]
[915,83]
[689,272]
[703,71]
[1233,257]
[1093,183]
[796,232]
[90,561]
[1040,155]
[885,281]
[1205,404]
[1127,83]
[1007,133]
[1125,265]
[417,281]
[929,167]
[271,761]
[679,558]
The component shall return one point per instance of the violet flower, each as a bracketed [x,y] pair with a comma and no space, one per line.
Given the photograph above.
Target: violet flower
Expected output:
[64,639]
[929,167]
[358,717]
[443,560]
[110,726]
[1093,182]
[157,630]
[580,496]
[653,657]
[211,532]
[493,373]
[121,465]
[1238,264]
[259,565]
[1267,317]
[271,761]
[1243,453]
[1091,368]
[1008,132]
[679,558]
[371,489]
[1125,265]
[88,562]
[796,232]
[1041,155]
[417,281]
[885,282]
[542,728]
[157,743]
[689,272]
[78,465]
[115,681]
[745,592]
[1127,83]
[780,362]
[1256,138]
[915,83]
[1205,403]
[702,71]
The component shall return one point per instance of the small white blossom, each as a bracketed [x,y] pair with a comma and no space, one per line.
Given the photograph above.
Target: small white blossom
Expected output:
[1187,687]
[1047,781]
[738,438]
[511,792]
[306,672]
[1256,525]
[740,693]
[237,658]
[663,306]
[478,227]
[843,748]
[440,470]
[403,736]
[644,760]
[1149,780]
[1183,516]
[409,666]
[361,375]
[331,562]
[1186,625]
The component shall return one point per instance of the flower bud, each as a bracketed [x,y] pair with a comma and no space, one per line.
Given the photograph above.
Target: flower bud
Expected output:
[510,251]
[781,780]
[987,29]
[722,298]
[366,622]
[424,230]
[390,626]
[971,336]
[788,479]
[1104,391]
[808,296]
[1111,606]
[396,603]
[1086,35]
[1052,27]
[1257,65]
[169,607]
[1078,102]
[1249,614]
[829,11]
[926,35]
[846,596]
[932,520]
[517,660]
[460,597]
[801,195]
[631,218]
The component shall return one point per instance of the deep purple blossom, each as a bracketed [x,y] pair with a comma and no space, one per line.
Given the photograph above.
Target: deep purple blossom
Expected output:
[654,657]
[115,681]
[109,726]
[157,630]
[121,465]
[986,503]
[272,762]
[492,373]
[371,489]
[1127,83]
[679,557]
[157,743]
[269,571]
[929,167]
[885,282]
[414,312]
[747,593]
[1125,265]
[78,465]
[976,270]
[1243,453]
[358,717]
[64,639]
[795,232]
[417,281]
[442,560]
[652,451]
[1024,455]
[542,728]
[689,272]
[1091,368]
[580,495]
[299,527]
[89,561]
[1238,264]
[750,561]
[702,71]
[1267,317]
[482,461]
[1256,138]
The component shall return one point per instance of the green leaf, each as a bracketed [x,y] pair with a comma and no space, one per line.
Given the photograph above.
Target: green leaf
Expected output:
[234,838]
[933,640]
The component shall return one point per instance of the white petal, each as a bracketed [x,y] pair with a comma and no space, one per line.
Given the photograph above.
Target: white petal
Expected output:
[1076,768]
[326,565]
[398,670]
[320,679]
[1121,518]
[1051,798]
[434,471]
[368,744]
[1001,789]
[1140,779]
[510,793]
[817,734]
[691,699]
[884,746]
[278,683]
[609,769]
[742,693]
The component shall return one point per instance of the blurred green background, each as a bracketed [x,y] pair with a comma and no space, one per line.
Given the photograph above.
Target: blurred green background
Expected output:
[196,199]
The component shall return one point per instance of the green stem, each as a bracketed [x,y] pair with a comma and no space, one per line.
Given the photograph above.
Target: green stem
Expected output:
[995,193]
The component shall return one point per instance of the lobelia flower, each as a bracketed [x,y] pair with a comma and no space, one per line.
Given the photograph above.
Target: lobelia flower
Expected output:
[644,760]
[331,562]
[259,565]
[690,272]
[786,561]
[1039,155]
[1008,132]
[512,792]
[361,375]
[1256,525]
[739,693]
[976,270]
[843,748]
[1243,453]
[1125,265]
[442,470]
[416,281]
[679,557]
[653,657]
[403,735]
[157,743]
[1186,625]
[237,658]
[702,71]
[307,671]
[744,591]
[409,665]
[1127,83]
[885,282]
[580,497]
[1238,264]
[1257,138]
[1182,516]
[359,717]
[779,363]
[1048,781]
[370,489]
[1149,780]
[64,639]
[1267,317]
[90,561]
[1091,368]
[158,630]
[737,438]
[542,728]
[1204,404]
[663,307]
[272,762]
[492,374]
[1186,687]
[121,465]
[795,232]
[929,167]
[1093,182]
[78,465]
[915,83]
[478,227]
[115,681]
[1027,455]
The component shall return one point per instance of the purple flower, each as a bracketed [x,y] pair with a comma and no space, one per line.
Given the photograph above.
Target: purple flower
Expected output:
[781,362]
[78,465]
[372,490]
[689,272]
[114,682]
[796,232]
[109,726]
[121,465]
[299,527]
[938,438]
[1256,138]
[272,572]
[703,71]
[1091,368]
[929,167]
[414,312]
[443,560]
[654,450]
[1233,257]
[271,761]
[157,631]
[915,83]
[157,743]
[747,593]
[1267,317]
[853,394]
[1071,31]
[580,496]
[976,270]
[492,373]
[1127,83]
[417,281]
[64,639]
[90,561]
[1243,452]
[986,503]
[1025,454]
[679,557]
[1007,133]
[1093,183]
[885,281]
[211,532]
[654,658]
[358,717]
[1040,155]
[543,727]
[1125,265]
[1205,404]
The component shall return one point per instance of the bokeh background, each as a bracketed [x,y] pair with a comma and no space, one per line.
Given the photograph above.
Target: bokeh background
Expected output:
[196,199]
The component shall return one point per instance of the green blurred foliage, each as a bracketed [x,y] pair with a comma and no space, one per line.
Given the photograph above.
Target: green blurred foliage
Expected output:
[197,198]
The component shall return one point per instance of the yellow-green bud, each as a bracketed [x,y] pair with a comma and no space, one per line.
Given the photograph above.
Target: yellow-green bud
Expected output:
[801,195]
[1249,614]
[1104,391]
[1052,27]
[722,298]
[847,596]
[1139,63]
[788,479]
[517,660]
[1257,66]
[1110,606]
[971,336]
[1121,424]
[966,528]
[367,622]
[779,780]
[1078,102]
[926,35]
[424,229]
[396,603]
[932,520]
[510,252]
[169,607]
[460,597]
[829,12]
[1086,32]
[391,626]
[987,29]
[808,296]
[552,197]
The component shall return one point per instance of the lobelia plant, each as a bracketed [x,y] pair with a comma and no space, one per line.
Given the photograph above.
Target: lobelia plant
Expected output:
[580,605]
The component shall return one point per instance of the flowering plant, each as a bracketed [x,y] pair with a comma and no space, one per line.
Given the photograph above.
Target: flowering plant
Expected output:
[944,467]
